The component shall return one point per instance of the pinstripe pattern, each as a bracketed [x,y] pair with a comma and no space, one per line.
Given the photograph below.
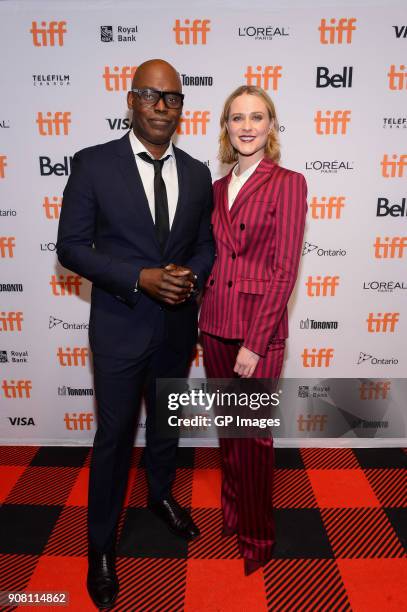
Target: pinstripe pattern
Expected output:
[247,463]
[258,245]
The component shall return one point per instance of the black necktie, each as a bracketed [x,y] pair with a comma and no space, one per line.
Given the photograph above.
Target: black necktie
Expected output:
[162,221]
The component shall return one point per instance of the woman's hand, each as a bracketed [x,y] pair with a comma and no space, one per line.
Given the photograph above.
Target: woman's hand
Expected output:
[246,362]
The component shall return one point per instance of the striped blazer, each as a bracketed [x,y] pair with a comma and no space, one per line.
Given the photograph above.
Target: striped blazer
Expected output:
[258,248]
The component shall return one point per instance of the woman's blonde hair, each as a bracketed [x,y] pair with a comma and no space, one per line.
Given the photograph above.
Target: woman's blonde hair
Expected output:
[227,154]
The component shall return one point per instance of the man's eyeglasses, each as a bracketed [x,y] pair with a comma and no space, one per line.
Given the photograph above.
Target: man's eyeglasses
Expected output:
[150,97]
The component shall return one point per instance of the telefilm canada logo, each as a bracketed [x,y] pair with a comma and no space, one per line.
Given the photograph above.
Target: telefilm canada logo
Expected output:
[54,322]
[396,123]
[263,32]
[119,33]
[51,79]
[329,166]
[314,248]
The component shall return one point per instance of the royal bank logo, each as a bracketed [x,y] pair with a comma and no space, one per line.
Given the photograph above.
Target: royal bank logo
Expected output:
[308,248]
[120,33]
[51,80]
[373,360]
[329,167]
[316,391]
[67,325]
[13,356]
[268,32]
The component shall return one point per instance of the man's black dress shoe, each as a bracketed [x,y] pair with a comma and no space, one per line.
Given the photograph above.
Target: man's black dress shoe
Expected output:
[102,583]
[177,519]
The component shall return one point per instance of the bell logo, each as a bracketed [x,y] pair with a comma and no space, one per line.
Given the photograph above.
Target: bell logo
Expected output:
[390,248]
[78,422]
[395,168]
[66,285]
[118,79]
[312,422]
[7,245]
[192,126]
[317,358]
[264,77]
[338,32]
[53,125]
[397,78]
[330,125]
[374,390]
[385,322]
[73,357]
[52,207]
[322,286]
[197,31]
[50,36]
[3,164]
[11,321]
[17,389]
[330,209]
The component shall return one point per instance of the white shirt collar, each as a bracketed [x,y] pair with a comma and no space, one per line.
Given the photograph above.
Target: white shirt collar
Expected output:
[242,178]
[138,147]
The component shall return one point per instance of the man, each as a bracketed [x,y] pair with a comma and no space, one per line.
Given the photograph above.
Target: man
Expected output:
[139,229]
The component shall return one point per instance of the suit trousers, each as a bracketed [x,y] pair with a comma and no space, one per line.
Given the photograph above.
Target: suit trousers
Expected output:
[120,384]
[247,463]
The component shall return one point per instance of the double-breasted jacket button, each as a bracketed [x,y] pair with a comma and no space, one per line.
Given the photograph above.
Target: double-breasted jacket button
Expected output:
[242,226]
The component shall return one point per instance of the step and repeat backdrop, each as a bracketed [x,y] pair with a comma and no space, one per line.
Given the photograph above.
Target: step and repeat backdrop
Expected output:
[338,77]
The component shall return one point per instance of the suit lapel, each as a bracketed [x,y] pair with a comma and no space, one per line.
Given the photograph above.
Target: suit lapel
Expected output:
[224,213]
[129,171]
[183,194]
[262,174]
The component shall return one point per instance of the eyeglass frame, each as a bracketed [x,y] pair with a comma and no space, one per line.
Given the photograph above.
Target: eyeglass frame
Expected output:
[162,95]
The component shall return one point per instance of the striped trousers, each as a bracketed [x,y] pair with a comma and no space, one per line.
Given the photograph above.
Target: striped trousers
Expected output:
[247,463]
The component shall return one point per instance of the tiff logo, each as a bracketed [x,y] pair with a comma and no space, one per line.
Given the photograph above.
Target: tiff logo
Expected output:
[322,286]
[52,208]
[11,321]
[7,245]
[118,79]
[330,209]
[332,124]
[397,78]
[17,389]
[317,358]
[53,125]
[51,36]
[387,248]
[81,421]
[264,77]
[393,168]
[3,165]
[194,34]
[338,32]
[312,422]
[73,357]
[66,285]
[385,322]
[192,126]
[374,390]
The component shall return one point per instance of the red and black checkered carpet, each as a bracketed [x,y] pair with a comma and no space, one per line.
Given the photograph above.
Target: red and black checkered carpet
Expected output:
[341,534]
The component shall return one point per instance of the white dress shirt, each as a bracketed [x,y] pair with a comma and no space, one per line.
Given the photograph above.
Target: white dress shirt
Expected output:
[169,174]
[237,182]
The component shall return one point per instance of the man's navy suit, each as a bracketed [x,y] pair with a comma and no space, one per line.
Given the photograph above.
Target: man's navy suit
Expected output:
[107,234]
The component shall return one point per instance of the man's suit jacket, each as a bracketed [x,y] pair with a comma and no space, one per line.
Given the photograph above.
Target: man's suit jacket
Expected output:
[258,247]
[107,234]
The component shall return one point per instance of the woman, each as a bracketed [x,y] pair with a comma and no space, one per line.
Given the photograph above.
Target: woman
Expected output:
[258,224]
